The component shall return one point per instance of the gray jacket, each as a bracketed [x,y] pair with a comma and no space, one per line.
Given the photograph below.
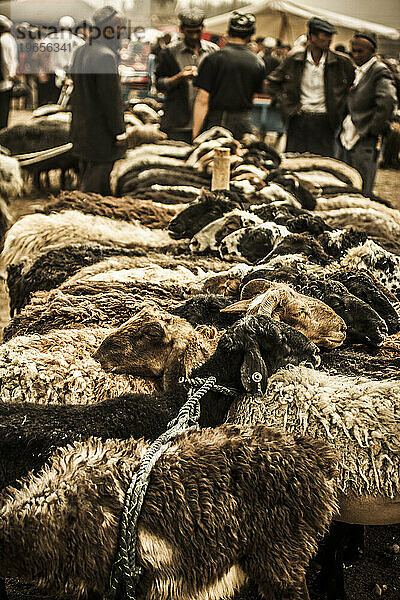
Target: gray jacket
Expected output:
[372,101]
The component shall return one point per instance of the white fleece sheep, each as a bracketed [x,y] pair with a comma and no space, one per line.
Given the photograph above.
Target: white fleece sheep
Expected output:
[374,222]
[359,417]
[11,183]
[58,368]
[35,234]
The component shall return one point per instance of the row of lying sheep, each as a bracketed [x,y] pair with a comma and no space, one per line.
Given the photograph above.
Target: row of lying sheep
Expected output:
[160,348]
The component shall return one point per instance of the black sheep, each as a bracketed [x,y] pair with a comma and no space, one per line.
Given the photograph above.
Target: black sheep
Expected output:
[204,309]
[368,289]
[299,243]
[209,207]
[31,432]
[364,325]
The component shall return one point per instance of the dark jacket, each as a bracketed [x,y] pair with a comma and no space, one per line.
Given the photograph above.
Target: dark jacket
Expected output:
[97,108]
[372,101]
[177,109]
[284,84]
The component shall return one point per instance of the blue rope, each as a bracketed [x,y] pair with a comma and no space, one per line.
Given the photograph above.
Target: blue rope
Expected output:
[125,570]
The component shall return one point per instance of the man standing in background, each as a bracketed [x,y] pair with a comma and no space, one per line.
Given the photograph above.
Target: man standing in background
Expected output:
[98,128]
[176,68]
[370,104]
[228,80]
[311,87]
[8,68]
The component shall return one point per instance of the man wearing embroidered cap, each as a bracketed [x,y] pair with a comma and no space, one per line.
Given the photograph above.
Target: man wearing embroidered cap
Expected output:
[370,106]
[98,129]
[311,87]
[176,69]
[228,80]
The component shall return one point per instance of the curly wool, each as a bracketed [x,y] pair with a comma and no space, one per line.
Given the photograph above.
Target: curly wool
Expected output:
[35,234]
[149,214]
[359,417]
[112,305]
[58,368]
[223,505]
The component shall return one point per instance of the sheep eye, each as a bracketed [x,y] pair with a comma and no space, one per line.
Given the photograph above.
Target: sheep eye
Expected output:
[154,331]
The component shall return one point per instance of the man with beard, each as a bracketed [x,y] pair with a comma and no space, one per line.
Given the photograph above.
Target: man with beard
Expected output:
[176,68]
[98,129]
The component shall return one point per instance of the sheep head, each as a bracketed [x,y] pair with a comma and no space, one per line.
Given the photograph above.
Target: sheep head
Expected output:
[209,207]
[256,344]
[154,343]
[317,321]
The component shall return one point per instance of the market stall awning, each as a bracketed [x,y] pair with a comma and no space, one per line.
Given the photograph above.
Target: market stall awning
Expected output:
[287,20]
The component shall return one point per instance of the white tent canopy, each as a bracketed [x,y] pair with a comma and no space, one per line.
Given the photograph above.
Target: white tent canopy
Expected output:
[287,20]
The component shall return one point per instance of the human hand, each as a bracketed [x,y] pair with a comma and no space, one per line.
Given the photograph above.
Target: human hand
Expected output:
[188,72]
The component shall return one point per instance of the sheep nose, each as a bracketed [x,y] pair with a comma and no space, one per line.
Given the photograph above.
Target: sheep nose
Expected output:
[194,246]
[223,250]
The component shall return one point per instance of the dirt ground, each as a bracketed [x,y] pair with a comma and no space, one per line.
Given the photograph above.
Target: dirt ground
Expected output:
[377,573]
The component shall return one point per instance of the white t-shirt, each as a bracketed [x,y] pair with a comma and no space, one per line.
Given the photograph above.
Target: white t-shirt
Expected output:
[312,96]
[9,60]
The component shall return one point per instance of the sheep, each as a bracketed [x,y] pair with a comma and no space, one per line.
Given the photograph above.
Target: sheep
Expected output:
[176,178]
[33,234]
[56,266]
[296,243]
[146,113]
[57,368]
[185,548]
[291,183]
[363,285]
[210,236]
[348,361]
[149,214]
[295,219]
[337,242]
[205,309]
[88,304]
[252,243]
[328,203]
[383,265]
[11,182]
[318,322]
[52,268]
[373,222]
[30,432]
[225,282]
[360,419]
[364,325]
[209,207]
[126,269]
[341,170]
[158,343]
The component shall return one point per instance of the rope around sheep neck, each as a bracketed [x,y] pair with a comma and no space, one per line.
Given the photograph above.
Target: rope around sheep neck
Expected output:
[125,570]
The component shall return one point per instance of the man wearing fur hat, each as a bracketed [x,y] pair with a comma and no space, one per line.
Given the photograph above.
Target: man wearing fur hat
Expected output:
[228,80]
[8,68]
[98,128]
[370,103]
[311,87]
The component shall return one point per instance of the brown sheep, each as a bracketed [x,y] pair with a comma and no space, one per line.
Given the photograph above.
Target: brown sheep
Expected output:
[223,505]
[315,319]
[157,344]
[150,214]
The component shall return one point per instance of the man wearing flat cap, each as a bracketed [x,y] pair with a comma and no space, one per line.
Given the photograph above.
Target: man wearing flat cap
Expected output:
[176,69]
[97,128]
[311,87]
[228,80]
[8,68]
[370,107]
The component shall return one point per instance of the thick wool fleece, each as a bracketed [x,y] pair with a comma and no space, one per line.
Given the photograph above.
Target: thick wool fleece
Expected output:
[223,505]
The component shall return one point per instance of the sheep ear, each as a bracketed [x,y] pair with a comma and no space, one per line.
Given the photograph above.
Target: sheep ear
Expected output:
[253,371]
[240,306]
[175,366]
[254,287]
